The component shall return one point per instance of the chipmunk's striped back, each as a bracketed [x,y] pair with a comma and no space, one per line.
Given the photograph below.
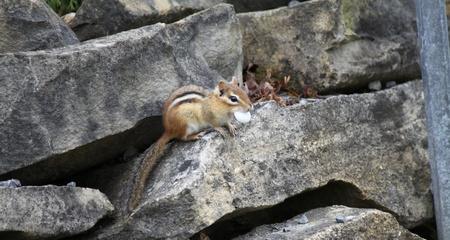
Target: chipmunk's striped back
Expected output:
[186,94]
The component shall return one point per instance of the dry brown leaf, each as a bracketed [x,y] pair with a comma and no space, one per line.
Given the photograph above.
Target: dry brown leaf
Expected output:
[269,87]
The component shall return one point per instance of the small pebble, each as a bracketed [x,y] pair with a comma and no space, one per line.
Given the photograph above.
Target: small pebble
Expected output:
[12,183]
[303,101]
[390,84]
[340,219]
[375,86]
[72,184]
[293,3]
[343,219]
[302,219]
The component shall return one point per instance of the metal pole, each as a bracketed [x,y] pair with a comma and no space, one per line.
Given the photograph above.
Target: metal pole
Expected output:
[435,65]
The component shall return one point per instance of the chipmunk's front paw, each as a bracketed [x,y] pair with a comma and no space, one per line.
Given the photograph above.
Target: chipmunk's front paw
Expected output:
[221,131]
[232,129]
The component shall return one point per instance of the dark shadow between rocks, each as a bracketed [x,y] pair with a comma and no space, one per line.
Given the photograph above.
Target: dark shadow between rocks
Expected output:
[359,88]
[333,193]
[261,5]
[88,31]
[59,167]
[16,235]
[426,230]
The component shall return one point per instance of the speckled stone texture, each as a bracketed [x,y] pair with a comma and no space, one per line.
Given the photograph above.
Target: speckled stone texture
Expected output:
[27,25]
[50,211]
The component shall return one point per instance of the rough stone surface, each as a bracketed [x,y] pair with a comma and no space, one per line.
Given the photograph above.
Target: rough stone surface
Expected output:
[50,211]
[365,224]
[69,19]
[97,18]
[375,142]
[334,45]
[54,103]
[27,25]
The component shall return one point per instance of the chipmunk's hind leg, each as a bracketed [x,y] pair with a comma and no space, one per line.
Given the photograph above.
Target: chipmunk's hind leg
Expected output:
[193,137]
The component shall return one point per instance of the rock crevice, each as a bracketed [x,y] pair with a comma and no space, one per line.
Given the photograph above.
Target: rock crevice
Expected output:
[243,220]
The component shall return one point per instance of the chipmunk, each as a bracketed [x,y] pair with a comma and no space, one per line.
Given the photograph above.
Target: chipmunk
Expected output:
[186,114]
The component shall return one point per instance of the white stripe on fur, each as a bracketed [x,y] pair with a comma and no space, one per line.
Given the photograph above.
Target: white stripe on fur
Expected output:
[184,98]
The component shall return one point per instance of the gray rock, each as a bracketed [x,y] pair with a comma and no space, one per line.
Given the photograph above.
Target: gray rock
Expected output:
[390,84]
[344,219]
[334,45]
[293,3]
[69,19]
[340,219]
[71,184]
[375,85]
[97,18]
[302,219]
[75,107]
[366,224]
[31,25]
[375,142]
[12,183]
[50,211]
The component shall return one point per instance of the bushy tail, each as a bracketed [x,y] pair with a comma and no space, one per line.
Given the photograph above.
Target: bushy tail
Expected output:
[147,165]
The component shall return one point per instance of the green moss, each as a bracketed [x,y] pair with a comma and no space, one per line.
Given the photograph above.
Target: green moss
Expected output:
[350,13]
[64,6]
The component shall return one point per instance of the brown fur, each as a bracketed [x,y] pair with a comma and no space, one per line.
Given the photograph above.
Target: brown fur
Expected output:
[214,110]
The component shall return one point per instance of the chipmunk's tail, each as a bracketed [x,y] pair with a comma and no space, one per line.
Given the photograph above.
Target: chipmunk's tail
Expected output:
[146,167]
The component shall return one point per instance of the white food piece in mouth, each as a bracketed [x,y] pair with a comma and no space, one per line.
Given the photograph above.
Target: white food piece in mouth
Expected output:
[243,117]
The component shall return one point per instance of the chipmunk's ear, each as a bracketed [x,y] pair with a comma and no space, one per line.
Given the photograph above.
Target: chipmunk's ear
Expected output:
[220,88]
[222,84]
[234,81]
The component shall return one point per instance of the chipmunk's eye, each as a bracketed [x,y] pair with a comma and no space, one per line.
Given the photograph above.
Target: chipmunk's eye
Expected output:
[233,98]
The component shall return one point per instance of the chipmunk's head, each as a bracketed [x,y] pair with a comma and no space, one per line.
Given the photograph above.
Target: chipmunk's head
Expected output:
[233,95]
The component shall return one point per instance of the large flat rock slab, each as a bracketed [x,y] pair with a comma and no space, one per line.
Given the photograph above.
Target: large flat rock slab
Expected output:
[50,211]
[27,25]
[334,45]
[97,18]
[374,142]
[67,109]
[361,224]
